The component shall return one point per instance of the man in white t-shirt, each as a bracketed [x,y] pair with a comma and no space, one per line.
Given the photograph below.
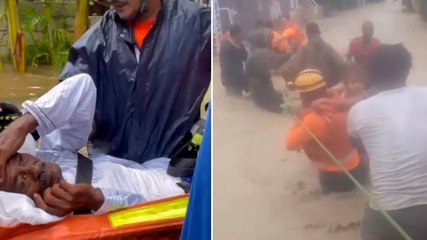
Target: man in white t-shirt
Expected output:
[391,127]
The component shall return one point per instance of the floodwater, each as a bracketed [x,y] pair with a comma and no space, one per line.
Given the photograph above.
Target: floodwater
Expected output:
[18,87]
[262,191]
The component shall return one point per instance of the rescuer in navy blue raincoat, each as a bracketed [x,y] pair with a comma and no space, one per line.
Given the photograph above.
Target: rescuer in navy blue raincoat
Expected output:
[148,97]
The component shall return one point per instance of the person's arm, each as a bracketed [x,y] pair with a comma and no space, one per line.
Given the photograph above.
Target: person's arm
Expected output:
[336,60]
[354,124]
[292,67]
[69,104]
[114,199]
[288,33]
[358,144]
[279,39]
[13,137]
[298,136]
[348,103]
[277,60]
[64,198]
[67,108]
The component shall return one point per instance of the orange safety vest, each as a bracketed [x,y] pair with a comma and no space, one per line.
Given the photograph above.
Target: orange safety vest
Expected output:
[280,46]
[337,142]
[294,36]
[331,130]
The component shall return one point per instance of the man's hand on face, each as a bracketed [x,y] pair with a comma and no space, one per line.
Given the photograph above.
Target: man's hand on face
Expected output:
[63,198]
[12,138]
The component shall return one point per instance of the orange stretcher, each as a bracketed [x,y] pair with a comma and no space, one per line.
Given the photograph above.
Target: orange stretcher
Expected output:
[160,220]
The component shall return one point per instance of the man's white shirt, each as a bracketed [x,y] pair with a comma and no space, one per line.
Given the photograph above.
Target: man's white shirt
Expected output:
[392,126]
[65,118]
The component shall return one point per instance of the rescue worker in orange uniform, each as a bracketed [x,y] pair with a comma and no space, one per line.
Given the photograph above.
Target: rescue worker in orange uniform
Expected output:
[292,34]
[330,128]
[278,46]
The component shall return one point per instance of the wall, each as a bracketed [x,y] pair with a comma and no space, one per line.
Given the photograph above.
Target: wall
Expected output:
[246,12]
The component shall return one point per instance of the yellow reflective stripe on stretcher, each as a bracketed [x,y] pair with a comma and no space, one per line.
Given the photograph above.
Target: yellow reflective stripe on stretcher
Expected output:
[175,208]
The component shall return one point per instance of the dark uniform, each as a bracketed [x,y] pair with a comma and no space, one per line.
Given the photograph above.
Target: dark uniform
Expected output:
[262,60]
[232,60]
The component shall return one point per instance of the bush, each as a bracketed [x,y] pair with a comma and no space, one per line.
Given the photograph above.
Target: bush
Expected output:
[46,33]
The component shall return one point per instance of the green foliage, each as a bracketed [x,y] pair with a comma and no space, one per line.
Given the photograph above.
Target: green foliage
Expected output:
[46,33]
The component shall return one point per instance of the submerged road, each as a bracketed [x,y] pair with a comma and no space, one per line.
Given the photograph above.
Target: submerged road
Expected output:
[262,191]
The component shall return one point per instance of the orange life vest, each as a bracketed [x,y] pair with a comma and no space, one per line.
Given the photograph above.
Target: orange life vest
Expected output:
[331,129]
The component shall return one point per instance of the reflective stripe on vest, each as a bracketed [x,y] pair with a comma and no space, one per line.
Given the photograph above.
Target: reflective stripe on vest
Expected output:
[175,208]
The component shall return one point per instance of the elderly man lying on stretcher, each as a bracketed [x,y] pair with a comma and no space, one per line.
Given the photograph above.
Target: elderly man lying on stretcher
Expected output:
[63,118]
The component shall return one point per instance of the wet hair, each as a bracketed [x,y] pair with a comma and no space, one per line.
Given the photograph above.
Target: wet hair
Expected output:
[312,29]
[235,30]
[390,65]
[259,23]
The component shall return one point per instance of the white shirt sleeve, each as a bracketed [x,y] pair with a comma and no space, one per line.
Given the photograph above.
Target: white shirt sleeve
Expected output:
[115,199]
[65,114]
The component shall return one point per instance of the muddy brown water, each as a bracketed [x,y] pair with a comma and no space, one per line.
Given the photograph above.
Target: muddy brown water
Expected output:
[18,87]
